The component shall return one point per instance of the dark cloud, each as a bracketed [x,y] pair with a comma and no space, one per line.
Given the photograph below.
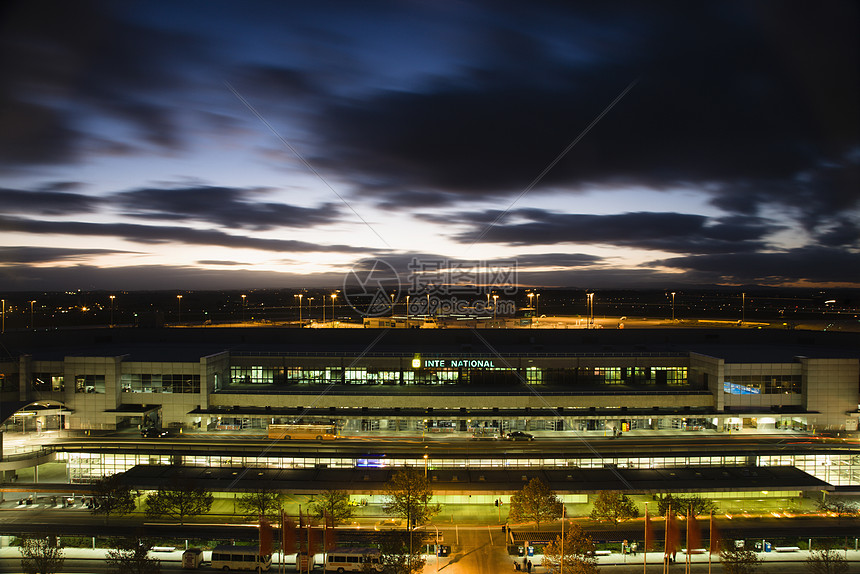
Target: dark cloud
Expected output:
[808,264]
[223,263]
[754,104]
[675,232]
[153,234]
[843,232]
[149,277]
[30,254]
[556,260]
[47,202]
[66,65]
[226,206]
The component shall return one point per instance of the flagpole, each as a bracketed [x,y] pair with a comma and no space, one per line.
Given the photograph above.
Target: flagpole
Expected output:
[666,542]
[687,559]
[711,541]
[561,559]
[645,549]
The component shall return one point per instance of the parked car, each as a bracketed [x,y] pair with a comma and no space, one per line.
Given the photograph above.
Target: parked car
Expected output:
[519,435]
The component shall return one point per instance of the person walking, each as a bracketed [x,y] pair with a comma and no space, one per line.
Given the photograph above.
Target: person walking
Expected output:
[529,566]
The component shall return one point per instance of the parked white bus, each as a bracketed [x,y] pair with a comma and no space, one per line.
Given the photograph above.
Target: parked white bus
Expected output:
[225,557]
[352,560]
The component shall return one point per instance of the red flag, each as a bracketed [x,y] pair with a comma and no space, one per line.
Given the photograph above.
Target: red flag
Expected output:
[694,533]
[649,532]
[673,534]
[288,533]
[265,537]
[714,536]
[313,541]
[330,536]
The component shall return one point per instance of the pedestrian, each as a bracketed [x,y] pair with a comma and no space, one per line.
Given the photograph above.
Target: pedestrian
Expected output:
[516,566]
[529,566]
[633,548]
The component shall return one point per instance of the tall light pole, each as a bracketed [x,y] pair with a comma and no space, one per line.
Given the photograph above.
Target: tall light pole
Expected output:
[392,304]
[4,316]
[32,325]
[534,315]
[743,307]
[673,306]
[112,297]
[333,297]
[537,305]
[495,298]
[407,311]
[179,305]
[243,307]
[300,295]
[590,309]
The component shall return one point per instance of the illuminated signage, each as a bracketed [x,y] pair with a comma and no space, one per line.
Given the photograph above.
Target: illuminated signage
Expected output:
[736,389]
[455,363]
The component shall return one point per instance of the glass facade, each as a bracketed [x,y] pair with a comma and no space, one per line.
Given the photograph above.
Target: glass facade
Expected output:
[148,383]
[765,384]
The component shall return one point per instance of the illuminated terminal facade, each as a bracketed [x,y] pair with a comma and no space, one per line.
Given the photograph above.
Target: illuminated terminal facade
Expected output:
[459,381]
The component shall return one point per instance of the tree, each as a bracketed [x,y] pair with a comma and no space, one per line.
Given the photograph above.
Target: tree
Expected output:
[132,557]
[613,506]
[334,505]
[397,554]
[261,502]
[679,504]
[578,555]
[180,500]
[536,502]
[408,495]
[826,560]
[837,505]
[738,560]
[41,555]
[112,497]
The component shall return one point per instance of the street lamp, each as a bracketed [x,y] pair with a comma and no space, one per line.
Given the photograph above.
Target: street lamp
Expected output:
[310,309]
[495,298]
[743,307]
[32,325]
[179,304]
[300,295]
[532,322]
[333,297]
[407,311]
[243,308]
[673,306]
[590,310]
[392,304]
[537,305]
[4,316]
[425,465]
[112,297]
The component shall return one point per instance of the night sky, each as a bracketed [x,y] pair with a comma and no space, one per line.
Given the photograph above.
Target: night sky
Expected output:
[207,145]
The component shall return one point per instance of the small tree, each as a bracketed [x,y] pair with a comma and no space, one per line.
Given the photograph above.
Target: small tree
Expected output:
[837,505]
[180,500]
[536,502]
[333,504]
[826,560]
[132,557]
[397,554]
[613,506]
[408,495]
[112,497]
[696,504]
[738,560]
[261,502]
[576,551]
[41,555]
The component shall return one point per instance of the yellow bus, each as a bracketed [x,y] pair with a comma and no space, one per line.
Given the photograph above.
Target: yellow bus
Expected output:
[303,431]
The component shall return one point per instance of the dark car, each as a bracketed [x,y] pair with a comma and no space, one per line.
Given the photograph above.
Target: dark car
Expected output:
[519,435]
[153,432]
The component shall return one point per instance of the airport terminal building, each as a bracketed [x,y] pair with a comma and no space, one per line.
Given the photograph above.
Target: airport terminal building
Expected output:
[432,380]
